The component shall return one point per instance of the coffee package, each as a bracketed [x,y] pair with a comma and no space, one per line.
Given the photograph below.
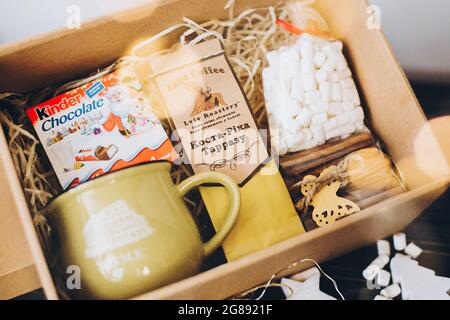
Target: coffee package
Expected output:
[213,120]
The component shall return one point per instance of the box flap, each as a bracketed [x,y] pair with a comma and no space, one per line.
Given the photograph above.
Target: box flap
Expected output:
[16,262]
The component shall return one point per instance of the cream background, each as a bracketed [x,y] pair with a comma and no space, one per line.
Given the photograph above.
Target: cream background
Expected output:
[418,29]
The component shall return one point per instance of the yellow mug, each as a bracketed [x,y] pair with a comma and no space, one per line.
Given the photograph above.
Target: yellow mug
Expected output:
[130,232]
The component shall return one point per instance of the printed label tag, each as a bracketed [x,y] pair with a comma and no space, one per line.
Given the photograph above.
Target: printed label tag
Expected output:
[103,126]
[210,111]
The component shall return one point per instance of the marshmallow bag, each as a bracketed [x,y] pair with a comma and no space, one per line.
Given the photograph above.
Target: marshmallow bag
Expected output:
[311,96]
[316,122]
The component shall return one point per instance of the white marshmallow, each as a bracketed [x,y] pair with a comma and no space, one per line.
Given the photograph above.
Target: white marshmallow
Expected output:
[270,106]
[287,84]
[392,291]
[384,248]
[325,91]
[289,55]
[413,250]
[297,89]
[285,134]
[342,62]
[356,98]
[292,126]
[319,59]
[279,102]
[371,272]
[347,84]
[344,119]
[320,107]
[318,134]
[297,148]
[308,67]
[330,64]
[360,126]
[336,108]
[329,50]
[321,76]
[332,124]
[307,50]
[283,149]
[272,57]
[337,45]
[334,76]
[308,134]
[294,140]
[381,261]
[305,38]
[333,134]
[280,115]
[304,117]
[344,74]
[313,108]
[291,107]
[319,42]
[309,144]
[293,69]
[347,95]
[381,298]
[319,119]
[348,106]
[278,144]
[273,126]
[309,82]
[383,278]
[357,115]
[269,78]
[281,93]
[312,97]
[348,129]
[336,92]
[399,241]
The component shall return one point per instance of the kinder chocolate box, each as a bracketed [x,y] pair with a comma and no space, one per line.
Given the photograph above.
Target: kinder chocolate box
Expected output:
[100,127]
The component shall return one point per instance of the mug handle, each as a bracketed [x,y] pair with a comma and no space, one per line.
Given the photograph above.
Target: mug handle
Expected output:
[235,202]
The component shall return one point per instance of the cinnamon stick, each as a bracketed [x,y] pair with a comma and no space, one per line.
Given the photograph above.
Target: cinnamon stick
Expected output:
[297,163]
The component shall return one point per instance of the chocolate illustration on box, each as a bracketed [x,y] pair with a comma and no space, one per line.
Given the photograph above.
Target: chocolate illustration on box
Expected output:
[103,126]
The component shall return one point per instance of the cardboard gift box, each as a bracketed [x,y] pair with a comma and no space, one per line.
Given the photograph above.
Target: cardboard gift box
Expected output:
[17,271]
[393,112]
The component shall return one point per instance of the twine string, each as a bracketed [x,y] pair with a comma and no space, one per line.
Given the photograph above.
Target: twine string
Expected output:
[270,283]
[329,175]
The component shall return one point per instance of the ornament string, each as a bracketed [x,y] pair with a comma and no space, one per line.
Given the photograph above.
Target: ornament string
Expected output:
[270,283]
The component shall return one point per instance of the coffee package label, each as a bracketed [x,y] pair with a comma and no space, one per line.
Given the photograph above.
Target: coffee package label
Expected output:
[100,127]
[209,111]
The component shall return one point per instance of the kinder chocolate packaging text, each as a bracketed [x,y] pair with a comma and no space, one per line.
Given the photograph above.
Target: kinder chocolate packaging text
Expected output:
[100,127]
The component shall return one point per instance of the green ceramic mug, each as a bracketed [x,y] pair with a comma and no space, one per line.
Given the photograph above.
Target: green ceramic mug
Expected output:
[130,232]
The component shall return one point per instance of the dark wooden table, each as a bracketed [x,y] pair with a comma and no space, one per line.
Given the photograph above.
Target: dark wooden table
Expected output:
[431,231]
